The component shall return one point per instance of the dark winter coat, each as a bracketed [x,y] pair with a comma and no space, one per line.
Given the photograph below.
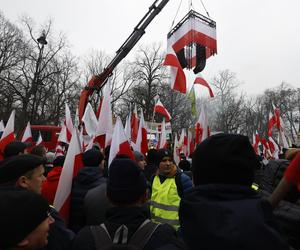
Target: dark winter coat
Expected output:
[86,179]
[217,216]
[132,217]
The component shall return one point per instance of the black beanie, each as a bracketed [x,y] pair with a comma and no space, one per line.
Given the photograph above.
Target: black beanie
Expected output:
[21,211]
[126,182]
[224,158]
[92,158]
[161,153]
[14,148]
[16,166]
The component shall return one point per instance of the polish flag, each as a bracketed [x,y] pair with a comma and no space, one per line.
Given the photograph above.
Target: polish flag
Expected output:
[134,125]
[8,133]
[177,76]
[163,136]
[277,116]
[128,127]
[141,141]
[175,151]
[73,163]
[105,124]
[63,134]
[159,108]
[200,80]
[119,144]
[59,151]
[27,136]
[39,140]
[90,120]
[201,128]
[274,148]
[272,122]
[68,123]
[99,108]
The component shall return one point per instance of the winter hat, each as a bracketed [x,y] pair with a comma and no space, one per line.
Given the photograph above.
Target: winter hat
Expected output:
[14,148]
[224,158]
[138,156]
[161,153]
[126,182]
[59,161]
[92,158]
[14,167]
[21,211]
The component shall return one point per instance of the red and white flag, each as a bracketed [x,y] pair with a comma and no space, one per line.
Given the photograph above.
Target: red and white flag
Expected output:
[8,133]
[272,122]
[134,125]
[90,120]
[105,125]
[163,136]
[27,136]
[160,108]
[200,80]
[72,164]
[39,140]
[275,150]
[119,144]
[256,142]
[128,127]
[201,128]
[68,123]
[141,141]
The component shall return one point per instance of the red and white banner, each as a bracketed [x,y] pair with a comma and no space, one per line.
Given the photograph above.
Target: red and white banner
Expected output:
[119,144]
[141,141]
[27,136]
[72,164]
[8,133]
[200,80]
[160,108]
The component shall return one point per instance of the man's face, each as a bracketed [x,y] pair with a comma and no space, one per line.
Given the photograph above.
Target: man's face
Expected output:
[142,164]
[166,165]
[35,180]
[39,237]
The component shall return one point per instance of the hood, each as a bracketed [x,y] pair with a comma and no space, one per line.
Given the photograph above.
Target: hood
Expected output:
[88,175]
[54,174]
[226,217]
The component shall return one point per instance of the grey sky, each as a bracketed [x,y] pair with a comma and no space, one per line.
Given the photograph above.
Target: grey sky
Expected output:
[257,39]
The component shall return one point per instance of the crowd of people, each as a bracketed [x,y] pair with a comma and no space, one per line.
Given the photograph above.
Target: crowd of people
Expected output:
[208,202]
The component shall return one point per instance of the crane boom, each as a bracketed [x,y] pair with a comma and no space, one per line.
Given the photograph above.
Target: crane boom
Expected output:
[98,81]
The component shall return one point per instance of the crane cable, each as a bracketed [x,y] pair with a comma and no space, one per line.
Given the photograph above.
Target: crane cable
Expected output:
[176,14]
[205,8]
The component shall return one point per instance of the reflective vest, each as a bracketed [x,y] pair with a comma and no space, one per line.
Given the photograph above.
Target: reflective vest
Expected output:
[165,202]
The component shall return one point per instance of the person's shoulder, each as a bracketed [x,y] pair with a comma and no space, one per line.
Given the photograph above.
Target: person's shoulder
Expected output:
[84,240]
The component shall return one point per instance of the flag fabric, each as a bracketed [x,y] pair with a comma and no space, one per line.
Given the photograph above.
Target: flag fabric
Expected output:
[271,123]
[27,135]
[134,125]
[256,142]
[200,80]
[275,150]
[39,140]
[159,108]
[277,116]
[192,98]
[163,136]
[201,127]
[105,125]
[292,173]
[90,120]
[142,142]
[128,127]
[175,151]
[59,151]
[73,162]
[119,144]
[8,133]
[1,126]
[99,108]
[63,134]
[68,123]
[191,143]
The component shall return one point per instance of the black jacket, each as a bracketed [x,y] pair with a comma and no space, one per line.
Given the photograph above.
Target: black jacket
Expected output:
[217,216]
[132,217]
[86,179]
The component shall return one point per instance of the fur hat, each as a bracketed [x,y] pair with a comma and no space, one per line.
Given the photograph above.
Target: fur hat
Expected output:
[126,182]
[16,166]
[224,158]
[21,211]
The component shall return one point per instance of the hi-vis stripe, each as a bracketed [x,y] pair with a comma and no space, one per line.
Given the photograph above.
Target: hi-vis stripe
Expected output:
[162,220]
[164,207]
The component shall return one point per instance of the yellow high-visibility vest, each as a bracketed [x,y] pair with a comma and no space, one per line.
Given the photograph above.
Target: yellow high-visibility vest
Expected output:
[165,202]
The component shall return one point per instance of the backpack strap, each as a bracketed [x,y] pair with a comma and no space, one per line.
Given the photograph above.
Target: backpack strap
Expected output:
[141,237]
[101,236]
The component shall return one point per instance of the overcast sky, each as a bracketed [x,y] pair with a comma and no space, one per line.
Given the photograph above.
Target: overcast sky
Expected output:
[259,40]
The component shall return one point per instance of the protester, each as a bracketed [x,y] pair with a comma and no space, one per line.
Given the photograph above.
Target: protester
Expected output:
[88,177]
[168,187]
[222,211]
[26,171]
[49,186]
[151,166]
[24,219]
[126,190]
[15,148]
[39,150]
[140,160]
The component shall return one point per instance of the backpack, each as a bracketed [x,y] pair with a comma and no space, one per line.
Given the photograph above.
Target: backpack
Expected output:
[139,239]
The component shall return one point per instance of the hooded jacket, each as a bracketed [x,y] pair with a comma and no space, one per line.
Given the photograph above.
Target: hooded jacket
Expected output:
[50,184]
[218,216]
